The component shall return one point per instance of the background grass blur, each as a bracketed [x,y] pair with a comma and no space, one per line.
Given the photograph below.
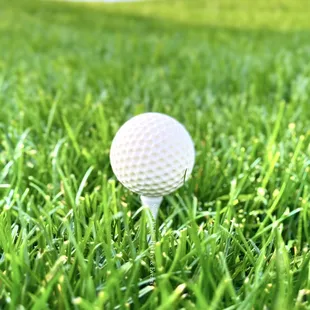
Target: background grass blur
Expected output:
[236,73]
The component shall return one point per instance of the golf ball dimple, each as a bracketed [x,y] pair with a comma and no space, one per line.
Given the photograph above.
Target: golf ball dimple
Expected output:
[152,154]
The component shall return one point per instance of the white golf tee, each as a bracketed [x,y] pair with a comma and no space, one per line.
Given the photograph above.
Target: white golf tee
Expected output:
[153,203]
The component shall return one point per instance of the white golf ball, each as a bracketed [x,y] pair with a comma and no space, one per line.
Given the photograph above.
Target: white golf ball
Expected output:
[152,154]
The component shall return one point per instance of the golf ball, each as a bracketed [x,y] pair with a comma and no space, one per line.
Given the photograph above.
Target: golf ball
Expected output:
[152,154]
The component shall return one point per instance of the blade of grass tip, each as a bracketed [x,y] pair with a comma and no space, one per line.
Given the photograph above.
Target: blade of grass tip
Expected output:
[102,298]
[69,197]
[282,299]
[200,298]
[151,224]
[173,298]
[303,278]
[45,290]
[152,300]
[23,255]
[284,184]
[102,124]
[183,242]
[274,205]
[67,188]
[229,209]
[55,164]
[219,294]
[133,281]
[158,257]
[217,216]
[142,234]
[19,158]
[87,237]
[51,115]
[82,303]
[228,278]
[261,259]
[5,171]
[72,135]
[145,291]
[78,253]
[272,162]
[250,301]
[108,230]
[297,151]
[247,248]
[4,278]
[82,185]
[179,206]
[126,236]
[161,278]
[306,219]
[205,278]
[303,215]
[17,277]
[114,208]
[273,137]
[276,223]
[230,237]
[180,250]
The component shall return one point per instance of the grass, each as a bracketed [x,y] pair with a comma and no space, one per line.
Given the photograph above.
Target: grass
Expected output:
[236,73]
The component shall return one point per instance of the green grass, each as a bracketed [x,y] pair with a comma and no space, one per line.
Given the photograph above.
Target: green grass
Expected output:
[236,73]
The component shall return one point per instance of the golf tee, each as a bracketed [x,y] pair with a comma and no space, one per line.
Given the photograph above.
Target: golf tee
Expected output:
[152,203]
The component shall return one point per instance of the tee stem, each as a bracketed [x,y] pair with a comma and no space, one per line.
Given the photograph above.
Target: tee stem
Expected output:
[152,203]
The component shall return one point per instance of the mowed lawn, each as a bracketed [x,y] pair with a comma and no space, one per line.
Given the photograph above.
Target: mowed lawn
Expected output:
[236,74]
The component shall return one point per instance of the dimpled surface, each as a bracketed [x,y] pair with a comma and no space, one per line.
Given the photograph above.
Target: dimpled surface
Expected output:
[152,154]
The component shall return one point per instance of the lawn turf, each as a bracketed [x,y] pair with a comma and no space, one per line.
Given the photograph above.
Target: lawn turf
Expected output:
[236,73]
